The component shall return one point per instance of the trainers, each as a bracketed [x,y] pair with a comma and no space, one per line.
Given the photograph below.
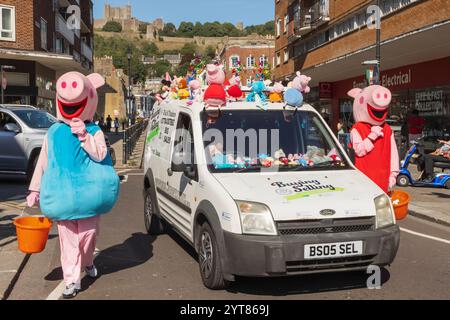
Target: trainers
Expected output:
[71,291]
[92,272]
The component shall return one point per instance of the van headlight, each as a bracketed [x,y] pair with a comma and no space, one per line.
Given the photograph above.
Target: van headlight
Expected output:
[385,215]
[256,218]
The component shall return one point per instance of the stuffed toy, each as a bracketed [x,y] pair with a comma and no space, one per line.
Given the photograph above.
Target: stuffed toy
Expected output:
[257,93]
[234,91]
[373,139]
[215,96]
[301,83]
[276,93]
[196,91]
[183,92]
[293,98]
[74,180]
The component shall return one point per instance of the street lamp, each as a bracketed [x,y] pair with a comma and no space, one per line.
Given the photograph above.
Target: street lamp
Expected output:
[2,85]
[129,56]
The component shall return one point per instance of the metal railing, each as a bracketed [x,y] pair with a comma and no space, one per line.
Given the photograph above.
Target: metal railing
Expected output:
[130,137]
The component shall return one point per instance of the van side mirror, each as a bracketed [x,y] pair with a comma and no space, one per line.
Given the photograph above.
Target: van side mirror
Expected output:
[178,164]
[12,127]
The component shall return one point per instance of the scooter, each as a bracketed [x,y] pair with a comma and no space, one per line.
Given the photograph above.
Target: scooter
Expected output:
[415,153]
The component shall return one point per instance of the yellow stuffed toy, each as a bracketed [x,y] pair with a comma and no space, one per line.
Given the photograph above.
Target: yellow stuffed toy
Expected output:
[276,94]
[183,92]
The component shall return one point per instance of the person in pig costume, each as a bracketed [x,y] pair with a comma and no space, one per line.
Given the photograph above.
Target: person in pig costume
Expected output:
[373,139]
[74,181]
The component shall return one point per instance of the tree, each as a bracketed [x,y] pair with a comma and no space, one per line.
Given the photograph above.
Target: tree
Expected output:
[186,29]
[169,30]
[189,49]
[112,26]
[150,49]
[160,68]
[210,52]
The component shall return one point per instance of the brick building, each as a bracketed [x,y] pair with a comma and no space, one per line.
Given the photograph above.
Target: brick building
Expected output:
[329,40]
[36,39]
[249,52]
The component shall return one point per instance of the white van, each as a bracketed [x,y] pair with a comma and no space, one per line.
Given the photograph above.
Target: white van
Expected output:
[250,214]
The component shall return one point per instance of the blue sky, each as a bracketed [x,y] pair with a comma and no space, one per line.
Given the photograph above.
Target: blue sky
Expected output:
[248,11]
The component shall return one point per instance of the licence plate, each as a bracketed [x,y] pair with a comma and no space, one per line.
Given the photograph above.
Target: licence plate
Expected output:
[333,250]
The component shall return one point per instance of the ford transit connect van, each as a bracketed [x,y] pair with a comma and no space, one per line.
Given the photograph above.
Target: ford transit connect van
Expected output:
[262,193]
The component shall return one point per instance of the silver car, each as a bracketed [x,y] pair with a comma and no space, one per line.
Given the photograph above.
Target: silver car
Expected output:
[22,132]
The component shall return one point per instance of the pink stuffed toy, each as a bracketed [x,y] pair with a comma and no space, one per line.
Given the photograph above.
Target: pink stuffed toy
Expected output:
[215,96]
[301,83]
[373,139]
[234,90]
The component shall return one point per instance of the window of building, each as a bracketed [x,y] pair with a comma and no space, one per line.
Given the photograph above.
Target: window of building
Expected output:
[278,58]
[278,27]
[250,62]
[234,62]
[263,60]
[286,55]
[7,23]
[44,35]
[286,23]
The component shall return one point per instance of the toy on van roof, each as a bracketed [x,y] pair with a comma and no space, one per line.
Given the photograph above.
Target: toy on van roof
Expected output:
[234,91]
[276,93]
[215,96]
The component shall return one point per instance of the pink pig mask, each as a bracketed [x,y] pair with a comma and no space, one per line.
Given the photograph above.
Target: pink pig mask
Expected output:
[215,74]
[371,104]
[76,96]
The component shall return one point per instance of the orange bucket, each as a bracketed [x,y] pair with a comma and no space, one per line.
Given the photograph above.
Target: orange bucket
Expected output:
[32,233]
[400,200]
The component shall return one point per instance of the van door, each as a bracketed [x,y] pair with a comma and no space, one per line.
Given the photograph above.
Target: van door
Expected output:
[181,188]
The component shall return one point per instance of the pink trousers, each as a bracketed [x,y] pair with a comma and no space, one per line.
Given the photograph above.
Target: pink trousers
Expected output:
[77,240]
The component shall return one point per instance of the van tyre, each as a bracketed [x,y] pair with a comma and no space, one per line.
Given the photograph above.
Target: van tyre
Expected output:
[447,185]
[153,223]
[209,259]
[403,180]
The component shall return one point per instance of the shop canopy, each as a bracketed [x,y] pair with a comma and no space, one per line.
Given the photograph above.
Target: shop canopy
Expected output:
[61,63]
[426,44]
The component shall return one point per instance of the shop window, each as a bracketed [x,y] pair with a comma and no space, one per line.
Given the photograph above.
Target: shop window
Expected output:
[7,23]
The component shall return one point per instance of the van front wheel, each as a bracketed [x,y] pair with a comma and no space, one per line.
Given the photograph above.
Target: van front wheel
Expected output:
[153,223]
[209,259]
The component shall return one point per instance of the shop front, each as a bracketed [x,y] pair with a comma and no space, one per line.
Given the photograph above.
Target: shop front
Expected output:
[424,87]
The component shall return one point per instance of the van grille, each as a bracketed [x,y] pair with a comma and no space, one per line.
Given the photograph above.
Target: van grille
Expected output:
[326,226]
[298,267]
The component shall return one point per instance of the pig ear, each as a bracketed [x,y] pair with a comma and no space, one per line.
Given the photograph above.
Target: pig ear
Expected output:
[97,80]
[354,92]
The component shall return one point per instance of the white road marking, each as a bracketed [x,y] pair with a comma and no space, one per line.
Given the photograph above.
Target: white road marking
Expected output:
[425,236]
[136,174]
[57,293]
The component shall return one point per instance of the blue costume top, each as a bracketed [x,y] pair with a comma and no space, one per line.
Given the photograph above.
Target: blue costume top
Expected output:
[74,186]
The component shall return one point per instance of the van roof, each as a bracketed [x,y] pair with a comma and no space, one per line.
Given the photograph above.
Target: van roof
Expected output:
[238,105]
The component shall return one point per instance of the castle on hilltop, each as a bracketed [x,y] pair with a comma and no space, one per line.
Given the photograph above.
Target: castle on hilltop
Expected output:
[124,16]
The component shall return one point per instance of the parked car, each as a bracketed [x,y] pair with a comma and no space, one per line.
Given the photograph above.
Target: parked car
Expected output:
[22,132]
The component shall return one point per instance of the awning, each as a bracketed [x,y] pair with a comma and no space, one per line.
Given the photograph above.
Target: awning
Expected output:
[59,62]
[427,44]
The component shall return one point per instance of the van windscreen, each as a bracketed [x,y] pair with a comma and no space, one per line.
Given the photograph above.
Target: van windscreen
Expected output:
[247,140]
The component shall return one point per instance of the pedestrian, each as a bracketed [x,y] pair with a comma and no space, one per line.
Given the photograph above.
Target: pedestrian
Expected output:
[341,127]
[116,125]
[108,123]
[74,181]
[440,155]
[101,124]
[416,124]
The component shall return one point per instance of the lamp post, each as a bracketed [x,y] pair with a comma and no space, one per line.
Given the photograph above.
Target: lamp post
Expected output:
[3,85]
[378,50]
[129,56]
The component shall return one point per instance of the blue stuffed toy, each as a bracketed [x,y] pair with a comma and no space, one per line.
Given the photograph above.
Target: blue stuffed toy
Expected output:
[293,98]
[257,93]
